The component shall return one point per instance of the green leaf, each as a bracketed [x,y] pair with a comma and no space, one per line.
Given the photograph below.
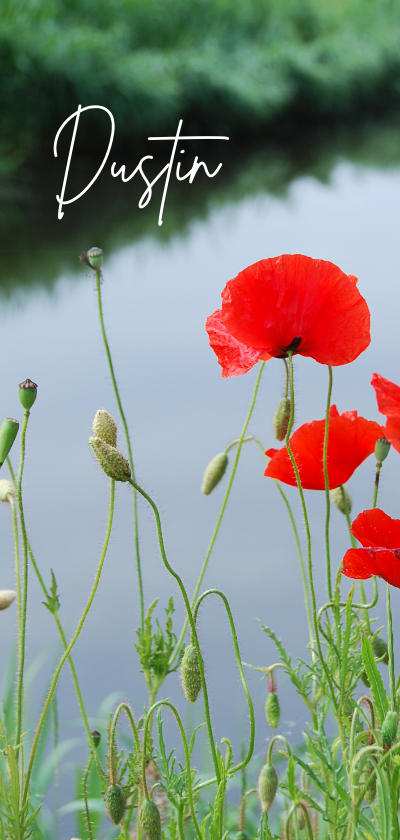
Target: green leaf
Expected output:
[291,778]
[375,680]
[384,805]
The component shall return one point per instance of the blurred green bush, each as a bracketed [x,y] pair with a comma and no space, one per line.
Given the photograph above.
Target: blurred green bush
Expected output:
[222,64]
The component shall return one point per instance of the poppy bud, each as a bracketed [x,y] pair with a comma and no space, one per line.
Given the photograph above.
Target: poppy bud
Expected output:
[8,433]
[267,786]
[95,257]
[281,419]
[7,489]
[241,835]
[115,803]
[382,447]
[6,598]
[96,737]
[337,499]
[190,674]
[389,729]
[380,648]
[367,772]
[105,427]
[272,709]
[214,472]
[27,393]
[150,820]
[111,461]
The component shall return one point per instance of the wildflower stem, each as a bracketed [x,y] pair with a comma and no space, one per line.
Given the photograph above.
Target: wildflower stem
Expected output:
[390,648]
[71,644]
[245,760]
[195,639]
[85,797]
[222,511]
[22,628]
[328,501]
[128,443]
[16,553]
[189,772]
[364,605]
[376,487]
[308,533]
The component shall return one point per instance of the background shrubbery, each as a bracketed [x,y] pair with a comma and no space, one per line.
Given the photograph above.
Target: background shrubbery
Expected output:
[230,65]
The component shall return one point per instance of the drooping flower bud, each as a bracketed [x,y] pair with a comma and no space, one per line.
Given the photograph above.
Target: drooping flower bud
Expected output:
[382,447]
[281,419]
[190,674]
[115,803]
[367,773]
[95,257]
[27,392]
[267,786]
[272,709]
[111,461]
[96,737]
[150,820]
[213,473]
[389,728]
[8,433]
[337,499]
[7,596]
[380,649]
[105,427]
[241,835]
[7,489]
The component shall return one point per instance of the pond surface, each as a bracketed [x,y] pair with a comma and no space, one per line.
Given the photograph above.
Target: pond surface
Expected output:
[157,294]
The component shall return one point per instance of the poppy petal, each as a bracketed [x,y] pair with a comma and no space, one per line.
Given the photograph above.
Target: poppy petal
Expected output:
[294,301]
[351,440]
[235,358]
[375,529]
[365,562]
[388,399]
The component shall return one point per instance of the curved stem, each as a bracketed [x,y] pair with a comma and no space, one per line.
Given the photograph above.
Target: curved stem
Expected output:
[328,501]
[190,617]
[187,758]
[222,511]
[128,443]
[72,642]
[24,599]
[240,669]
[123,707]
[307,527]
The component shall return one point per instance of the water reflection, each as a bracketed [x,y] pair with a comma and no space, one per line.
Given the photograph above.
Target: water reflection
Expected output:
[159,287]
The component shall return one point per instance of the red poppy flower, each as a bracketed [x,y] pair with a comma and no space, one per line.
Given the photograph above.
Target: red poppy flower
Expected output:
[291,302]
[351,440]
[388,398]
[380,537]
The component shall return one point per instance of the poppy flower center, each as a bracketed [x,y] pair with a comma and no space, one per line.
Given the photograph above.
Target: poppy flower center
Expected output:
[292,347]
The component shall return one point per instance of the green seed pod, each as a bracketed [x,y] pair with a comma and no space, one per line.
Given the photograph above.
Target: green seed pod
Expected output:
[7,489]
[27,393]
[150,821]
[214,471]
[105,427]
[190,674]
[389,728]
[337,499]
[382,447]
[96,737]
[8,433]
[380,648]
[272,709]
[95,257]
[364,776]
[6,598]
[111,461]
[267,786]
[115,803]
[241,835]
[281,419]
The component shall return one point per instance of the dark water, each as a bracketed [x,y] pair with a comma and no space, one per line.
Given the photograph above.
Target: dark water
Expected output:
[338,201]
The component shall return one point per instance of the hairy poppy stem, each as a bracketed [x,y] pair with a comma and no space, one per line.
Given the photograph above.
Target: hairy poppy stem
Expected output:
[392,682]
[308,532]
[328,501]
[128,443]
[24,598]
[376,487]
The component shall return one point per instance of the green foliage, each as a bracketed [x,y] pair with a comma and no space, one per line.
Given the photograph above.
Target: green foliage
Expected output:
[53,602]
[155,648]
